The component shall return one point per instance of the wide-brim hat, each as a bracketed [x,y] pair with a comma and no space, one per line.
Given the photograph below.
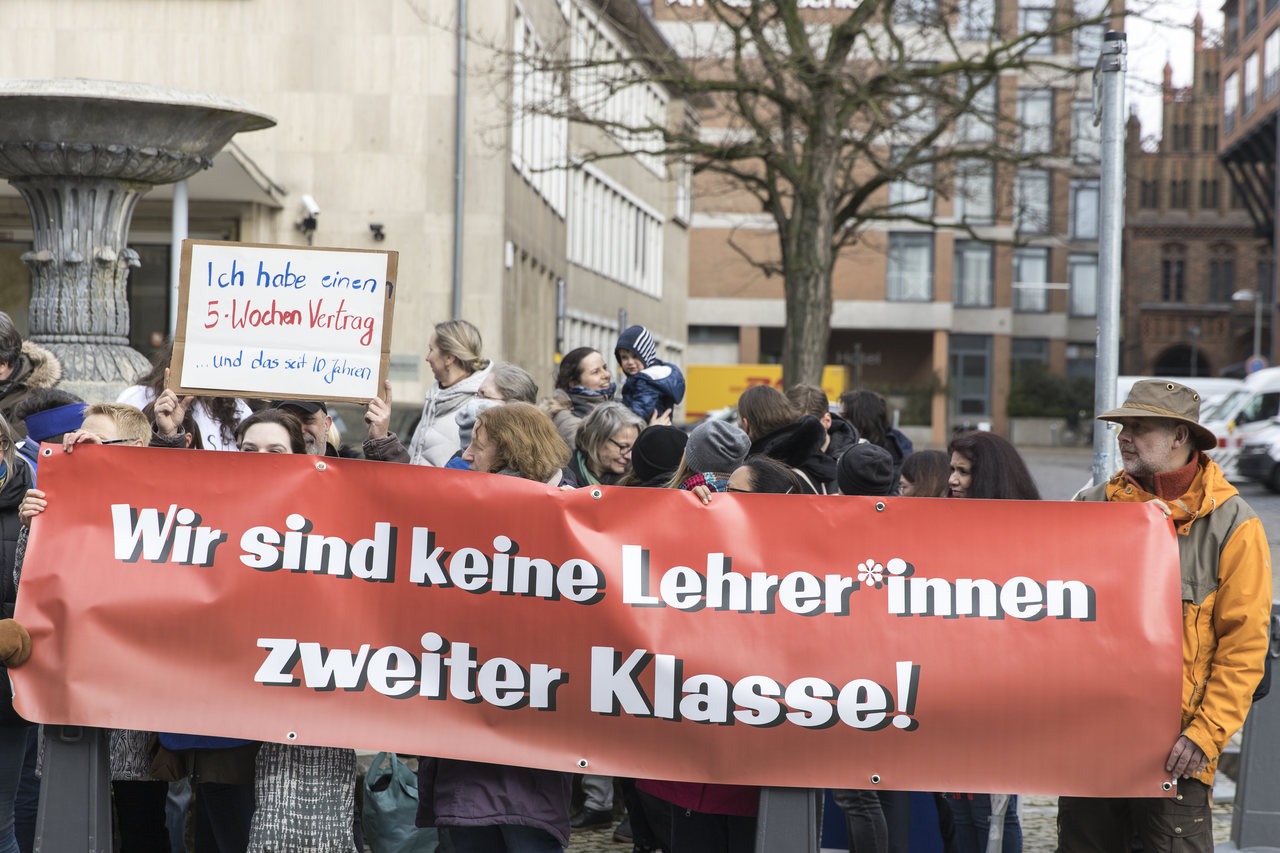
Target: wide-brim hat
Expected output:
[1158,398]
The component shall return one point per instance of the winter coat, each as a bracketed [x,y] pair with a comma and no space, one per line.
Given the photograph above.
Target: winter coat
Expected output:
[469,793]
[743,800]
[36,368]
[567,409]
[436,438]
[656,388]
[799,446]
[1226,601]
[843,435]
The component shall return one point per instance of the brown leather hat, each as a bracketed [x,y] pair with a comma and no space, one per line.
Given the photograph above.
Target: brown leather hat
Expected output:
[1159,398]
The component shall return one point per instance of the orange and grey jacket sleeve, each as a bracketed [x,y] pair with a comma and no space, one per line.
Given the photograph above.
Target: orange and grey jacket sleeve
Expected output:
[1241,624]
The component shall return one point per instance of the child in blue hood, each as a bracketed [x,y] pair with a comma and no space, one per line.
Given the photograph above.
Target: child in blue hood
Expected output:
[653,387]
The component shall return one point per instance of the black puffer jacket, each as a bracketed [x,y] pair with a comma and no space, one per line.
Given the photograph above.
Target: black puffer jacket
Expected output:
[799,446]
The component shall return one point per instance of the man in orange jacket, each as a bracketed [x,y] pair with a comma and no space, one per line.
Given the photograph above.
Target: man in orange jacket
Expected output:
[1226,611]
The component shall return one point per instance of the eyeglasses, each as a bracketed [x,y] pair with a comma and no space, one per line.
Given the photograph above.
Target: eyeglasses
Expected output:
[117,441]
[622,448]
[5,444]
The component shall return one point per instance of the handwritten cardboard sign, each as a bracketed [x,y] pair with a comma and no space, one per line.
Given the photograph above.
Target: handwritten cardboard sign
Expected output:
[283,322]
[763,639]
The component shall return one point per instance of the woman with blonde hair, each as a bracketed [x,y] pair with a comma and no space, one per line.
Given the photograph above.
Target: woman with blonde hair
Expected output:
[519,440]
[459,370]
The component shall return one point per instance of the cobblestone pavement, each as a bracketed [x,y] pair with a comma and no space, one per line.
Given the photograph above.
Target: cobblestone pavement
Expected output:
[1038,817]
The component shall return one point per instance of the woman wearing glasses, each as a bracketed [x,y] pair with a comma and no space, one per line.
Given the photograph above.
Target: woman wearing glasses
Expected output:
[604,444]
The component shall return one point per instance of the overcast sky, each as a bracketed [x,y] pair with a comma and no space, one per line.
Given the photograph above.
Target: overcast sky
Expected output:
[1162,34]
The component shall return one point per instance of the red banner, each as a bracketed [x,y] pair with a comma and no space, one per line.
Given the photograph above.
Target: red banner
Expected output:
[902,643]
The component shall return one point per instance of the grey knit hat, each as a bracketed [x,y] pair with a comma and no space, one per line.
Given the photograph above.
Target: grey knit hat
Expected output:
[716,447]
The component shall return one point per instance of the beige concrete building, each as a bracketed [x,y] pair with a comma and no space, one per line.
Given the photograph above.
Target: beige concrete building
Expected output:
[365,99]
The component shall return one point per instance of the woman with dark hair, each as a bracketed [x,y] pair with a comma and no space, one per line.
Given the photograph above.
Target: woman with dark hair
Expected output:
[869,414]
[301,797]
[924,475]
[984,465]
[215,417]
[778,430]
[271,431]
[583,381]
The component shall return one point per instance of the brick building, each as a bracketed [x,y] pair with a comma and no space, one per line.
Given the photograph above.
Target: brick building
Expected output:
[1190,242]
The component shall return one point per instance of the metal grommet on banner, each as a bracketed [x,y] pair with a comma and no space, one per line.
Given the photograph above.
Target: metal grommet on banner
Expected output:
[320,466]
[879,506]
[875,778]
[597,494]
[582,762]
[46,451]
[291,736]
[1166,786]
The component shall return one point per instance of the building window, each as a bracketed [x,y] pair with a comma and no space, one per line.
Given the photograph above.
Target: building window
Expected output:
[614,234]
[1032,19]
[1230,101]
[923,12]
[1035,121]
[1149,194]
[971,374]
[977,124]
[1208,137]
[1250,17]
[1230,28]
[1031,279]
[910,268]
[1027,351]
[1222,273]
[1179,194]
[1173,273]
[977,19]
[975,192]
[1031,202]
[1088,37]
[1209,193]
[1271,64]
[1082,277]
[913,106]
[973,274]
[1082,361]
[912,194]
[539,141]
[1086,137]
[1084,209]
[1250,82]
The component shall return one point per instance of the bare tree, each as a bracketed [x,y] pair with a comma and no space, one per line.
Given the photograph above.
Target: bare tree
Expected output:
[830,117]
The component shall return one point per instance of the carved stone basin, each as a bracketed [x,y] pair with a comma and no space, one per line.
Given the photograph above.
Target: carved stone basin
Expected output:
[82,153]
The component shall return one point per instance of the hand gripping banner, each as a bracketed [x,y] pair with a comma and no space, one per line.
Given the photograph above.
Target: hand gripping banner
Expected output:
[903,643]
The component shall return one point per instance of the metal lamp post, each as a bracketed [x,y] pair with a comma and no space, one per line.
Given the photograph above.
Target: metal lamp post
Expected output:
[1256,298]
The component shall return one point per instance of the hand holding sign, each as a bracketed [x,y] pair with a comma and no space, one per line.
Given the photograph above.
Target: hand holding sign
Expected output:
[170,412]
[377,417]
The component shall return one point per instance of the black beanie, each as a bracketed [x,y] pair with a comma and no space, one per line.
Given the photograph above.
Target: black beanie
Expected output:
[657,452]
[866,469]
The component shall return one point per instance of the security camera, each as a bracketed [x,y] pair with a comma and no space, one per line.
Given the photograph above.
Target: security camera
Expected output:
[309,203]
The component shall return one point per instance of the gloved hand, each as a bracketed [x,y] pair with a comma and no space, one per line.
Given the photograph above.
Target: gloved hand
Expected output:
[15,643]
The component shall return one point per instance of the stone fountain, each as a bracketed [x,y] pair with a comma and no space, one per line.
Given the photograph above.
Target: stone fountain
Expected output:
[83,153]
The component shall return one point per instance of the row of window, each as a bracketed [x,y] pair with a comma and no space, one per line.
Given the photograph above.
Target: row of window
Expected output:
[539,133]
[613,234]
[969,358]
[1222,273]
[912,197]
[1231,33]
[910,275]
[1240,92]
[976,20]
[1179,190]
[613,91]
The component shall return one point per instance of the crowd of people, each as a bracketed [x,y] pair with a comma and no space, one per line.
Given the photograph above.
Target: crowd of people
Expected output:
[490,418]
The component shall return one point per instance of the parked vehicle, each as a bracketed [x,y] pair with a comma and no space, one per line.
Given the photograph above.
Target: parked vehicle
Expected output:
[1237,417]
[1259,456]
